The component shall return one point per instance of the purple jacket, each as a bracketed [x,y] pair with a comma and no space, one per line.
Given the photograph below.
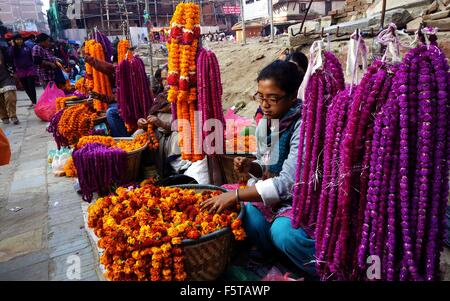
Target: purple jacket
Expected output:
[22,61]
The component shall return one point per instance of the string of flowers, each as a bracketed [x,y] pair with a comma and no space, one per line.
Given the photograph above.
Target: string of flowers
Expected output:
[142,230]
[209,90]
[322,87]
[76,122]
[182,76]
[61,101]
[134,100]
[122,50]
[53,128]
[70,169]
[99,167]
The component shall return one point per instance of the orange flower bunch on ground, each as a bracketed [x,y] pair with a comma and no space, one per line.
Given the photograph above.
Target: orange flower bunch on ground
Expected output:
[142,229]
[131,145]
[76,122]
[105,140]
[153,143]
[70,169]
[61,102]
[122,50]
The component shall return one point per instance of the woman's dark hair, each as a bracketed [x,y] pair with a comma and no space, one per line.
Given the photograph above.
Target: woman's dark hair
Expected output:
[158,73]
[285,75]
[300,59]
[42,37]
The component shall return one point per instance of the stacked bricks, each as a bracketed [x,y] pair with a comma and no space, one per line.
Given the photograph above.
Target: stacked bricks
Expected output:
[351,9]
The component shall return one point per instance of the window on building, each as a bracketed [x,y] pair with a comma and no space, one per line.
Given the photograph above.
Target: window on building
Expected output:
[249,1]
[302,7]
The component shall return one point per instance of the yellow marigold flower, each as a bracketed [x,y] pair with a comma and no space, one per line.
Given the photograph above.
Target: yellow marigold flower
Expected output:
[131,240]
[176,240]
[172,232]
[135,254]
[166,247]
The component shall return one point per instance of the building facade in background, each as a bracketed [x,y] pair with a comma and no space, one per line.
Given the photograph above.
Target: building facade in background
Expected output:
[110,16]
[26,15]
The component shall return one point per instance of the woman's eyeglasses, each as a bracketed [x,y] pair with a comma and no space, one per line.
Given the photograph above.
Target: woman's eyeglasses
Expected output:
[272,100]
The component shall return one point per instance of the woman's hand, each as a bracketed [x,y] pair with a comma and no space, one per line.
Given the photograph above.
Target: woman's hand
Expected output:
[242,164]
[153,120]
[219,203]
[142,123]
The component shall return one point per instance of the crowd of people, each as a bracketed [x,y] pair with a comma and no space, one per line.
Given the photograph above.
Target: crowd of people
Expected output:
[31,61]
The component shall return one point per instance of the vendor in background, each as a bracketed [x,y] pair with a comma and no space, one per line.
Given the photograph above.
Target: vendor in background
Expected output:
[115,122]
[168,159]
[267,220]
[44,60]
[24,69]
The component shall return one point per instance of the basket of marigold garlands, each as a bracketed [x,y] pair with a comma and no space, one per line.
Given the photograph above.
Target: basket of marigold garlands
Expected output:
[161,234]
[134,146]
[206,257]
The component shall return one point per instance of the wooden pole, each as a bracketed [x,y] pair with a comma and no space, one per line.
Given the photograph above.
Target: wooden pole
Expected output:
[244,39]
[383,13]
[107,17]
[101,16]
[150,51]
[272,31]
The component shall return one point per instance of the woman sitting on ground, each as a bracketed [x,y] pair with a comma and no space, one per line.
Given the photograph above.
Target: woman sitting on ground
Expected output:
[267,220]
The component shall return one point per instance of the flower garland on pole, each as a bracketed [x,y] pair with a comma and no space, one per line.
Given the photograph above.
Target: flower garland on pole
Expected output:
[182,76]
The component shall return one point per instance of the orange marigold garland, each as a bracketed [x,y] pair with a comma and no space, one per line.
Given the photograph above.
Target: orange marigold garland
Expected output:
[182,78]
[61,101]
[130,145]
[105,140]
[76,122]
[122,50]
[69,168]
[153,143]
[141,230]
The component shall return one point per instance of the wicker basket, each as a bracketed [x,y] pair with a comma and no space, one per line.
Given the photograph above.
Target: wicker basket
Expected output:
[133,161]
[206,258]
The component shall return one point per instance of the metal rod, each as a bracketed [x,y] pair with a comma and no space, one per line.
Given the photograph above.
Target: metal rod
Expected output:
[306,14]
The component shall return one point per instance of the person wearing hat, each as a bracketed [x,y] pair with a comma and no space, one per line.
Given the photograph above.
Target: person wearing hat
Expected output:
[44,59]
[24,69]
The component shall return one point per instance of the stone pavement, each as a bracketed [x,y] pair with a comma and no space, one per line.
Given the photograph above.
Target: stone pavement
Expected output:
[46,238]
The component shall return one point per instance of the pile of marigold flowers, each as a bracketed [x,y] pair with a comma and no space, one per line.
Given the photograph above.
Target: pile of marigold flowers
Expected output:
[141,230]
[130,145]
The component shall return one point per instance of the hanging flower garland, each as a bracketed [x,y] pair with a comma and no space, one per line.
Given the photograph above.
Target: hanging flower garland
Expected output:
[182,76]
[122,50]
[141,230]
[322,86]
[209,92]
[134,100]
